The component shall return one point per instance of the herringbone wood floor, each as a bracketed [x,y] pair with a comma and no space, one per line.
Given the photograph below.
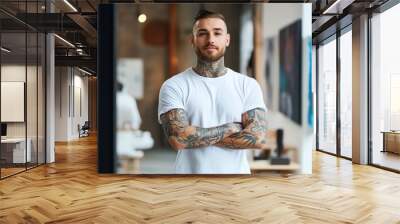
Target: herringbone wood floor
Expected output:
[70,191]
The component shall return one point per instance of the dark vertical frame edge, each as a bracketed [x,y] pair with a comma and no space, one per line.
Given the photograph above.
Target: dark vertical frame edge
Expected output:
[338,94]
[106,88]
[26,88]
[316,97]
[369,90]
[0,94]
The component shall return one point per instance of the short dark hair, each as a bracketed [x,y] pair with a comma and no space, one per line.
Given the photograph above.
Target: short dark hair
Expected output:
[202,14]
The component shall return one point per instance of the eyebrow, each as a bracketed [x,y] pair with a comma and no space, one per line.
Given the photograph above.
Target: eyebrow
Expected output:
[215,29]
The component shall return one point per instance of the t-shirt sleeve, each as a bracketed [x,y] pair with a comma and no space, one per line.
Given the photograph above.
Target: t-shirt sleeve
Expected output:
[253,96]
[170,98]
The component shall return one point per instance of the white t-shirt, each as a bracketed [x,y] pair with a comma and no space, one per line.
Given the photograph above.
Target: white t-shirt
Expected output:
[211,102]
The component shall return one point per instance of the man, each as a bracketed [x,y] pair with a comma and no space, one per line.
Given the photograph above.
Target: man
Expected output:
[129,136]
[210,113]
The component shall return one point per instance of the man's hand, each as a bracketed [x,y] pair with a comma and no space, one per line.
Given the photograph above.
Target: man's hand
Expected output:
[251,134]
[233,128]
[254,134]
[181,135]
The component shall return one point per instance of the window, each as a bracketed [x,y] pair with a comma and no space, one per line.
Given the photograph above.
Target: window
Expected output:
[346,94]
[327,97]
[385,89]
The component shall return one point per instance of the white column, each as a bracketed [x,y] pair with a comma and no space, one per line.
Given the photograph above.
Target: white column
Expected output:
[50,92]
[360,90]
[50,110]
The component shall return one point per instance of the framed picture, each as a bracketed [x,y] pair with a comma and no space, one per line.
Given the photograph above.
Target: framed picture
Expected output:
[290,68]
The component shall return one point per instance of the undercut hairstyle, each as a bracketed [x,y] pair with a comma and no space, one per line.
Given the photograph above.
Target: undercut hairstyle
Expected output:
[202,14]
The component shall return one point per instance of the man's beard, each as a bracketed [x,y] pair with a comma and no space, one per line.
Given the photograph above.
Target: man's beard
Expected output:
[210,58]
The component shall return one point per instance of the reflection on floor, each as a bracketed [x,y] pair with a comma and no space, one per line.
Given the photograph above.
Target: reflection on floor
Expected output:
[158,161]
[10,171]
[386,159]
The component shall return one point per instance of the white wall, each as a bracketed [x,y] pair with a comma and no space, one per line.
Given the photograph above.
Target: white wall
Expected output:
[80,83]
[70,83]
[276,17]
[61,103]
[12,73]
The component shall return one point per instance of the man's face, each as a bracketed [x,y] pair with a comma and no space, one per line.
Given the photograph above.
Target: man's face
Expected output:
[210,39]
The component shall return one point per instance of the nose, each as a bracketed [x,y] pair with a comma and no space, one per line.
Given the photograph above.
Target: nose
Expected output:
[211,39]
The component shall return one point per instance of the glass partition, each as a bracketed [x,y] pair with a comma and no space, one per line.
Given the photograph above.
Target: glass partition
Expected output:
[31,99]
[327,96]
[13,109]
[22,88]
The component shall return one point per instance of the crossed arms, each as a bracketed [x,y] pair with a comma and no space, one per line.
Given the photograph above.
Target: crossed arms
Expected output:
[249,134]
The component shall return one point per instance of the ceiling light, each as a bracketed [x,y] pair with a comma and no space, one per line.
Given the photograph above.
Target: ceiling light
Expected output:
[5,50]
[78,44]
[337,7]
[84,71]
[142,18]
[65,41]
[70,5]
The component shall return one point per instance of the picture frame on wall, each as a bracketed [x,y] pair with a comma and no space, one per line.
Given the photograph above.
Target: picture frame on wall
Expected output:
[290,68]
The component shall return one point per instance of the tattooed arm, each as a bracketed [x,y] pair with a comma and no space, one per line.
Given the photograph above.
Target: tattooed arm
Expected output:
[181,135]
[253,136]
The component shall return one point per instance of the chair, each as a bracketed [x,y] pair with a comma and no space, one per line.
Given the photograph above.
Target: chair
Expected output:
[84,130]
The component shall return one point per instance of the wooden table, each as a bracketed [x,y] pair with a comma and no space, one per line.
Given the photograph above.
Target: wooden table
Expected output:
[391,141]
[130,164]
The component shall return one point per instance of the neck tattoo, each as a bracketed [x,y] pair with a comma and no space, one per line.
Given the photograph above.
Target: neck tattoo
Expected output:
[210,69]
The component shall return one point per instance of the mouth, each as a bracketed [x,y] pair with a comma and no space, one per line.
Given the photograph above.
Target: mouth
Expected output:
[211,48]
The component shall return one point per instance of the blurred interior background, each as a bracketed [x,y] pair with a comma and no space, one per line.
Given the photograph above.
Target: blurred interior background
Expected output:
[269,42]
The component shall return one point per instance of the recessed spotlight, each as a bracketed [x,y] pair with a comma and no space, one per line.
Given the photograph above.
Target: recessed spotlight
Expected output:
[142,18]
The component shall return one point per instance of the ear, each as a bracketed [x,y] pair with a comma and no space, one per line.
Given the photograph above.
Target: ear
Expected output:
[192,39]
[228,39]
